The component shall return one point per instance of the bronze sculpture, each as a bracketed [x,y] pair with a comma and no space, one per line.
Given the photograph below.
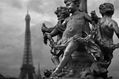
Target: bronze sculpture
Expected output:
[74,28]
[106,28]
[86,53]
[62,13]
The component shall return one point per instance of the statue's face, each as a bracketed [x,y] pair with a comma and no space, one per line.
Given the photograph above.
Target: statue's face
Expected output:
[58,14]
[71,6]
[62,12]
[106,9]
[61,15]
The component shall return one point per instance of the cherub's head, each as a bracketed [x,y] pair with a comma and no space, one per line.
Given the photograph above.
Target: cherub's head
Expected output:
[72,5]
[62,12]
[77,2]
[106,9]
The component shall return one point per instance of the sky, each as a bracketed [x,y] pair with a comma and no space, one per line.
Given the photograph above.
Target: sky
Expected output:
[12,27]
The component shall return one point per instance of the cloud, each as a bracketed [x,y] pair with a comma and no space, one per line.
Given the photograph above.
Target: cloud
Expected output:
[14,3]
[44,6]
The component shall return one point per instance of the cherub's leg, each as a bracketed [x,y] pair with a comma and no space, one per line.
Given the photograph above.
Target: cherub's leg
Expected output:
[72,46]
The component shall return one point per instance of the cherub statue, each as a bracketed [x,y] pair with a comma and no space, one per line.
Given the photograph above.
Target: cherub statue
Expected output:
[62,13]
[74,28]
[73,33]
[106,27]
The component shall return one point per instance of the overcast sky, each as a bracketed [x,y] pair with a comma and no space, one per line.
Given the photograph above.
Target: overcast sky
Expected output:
[12,26]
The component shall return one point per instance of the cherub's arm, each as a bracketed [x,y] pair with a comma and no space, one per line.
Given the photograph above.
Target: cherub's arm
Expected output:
[116,28]
[57,29]
[94,17]
[87,17]
[54,32]
[50,29]
[45,29]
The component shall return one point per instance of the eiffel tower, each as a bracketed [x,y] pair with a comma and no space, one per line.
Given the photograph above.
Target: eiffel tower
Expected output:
[27,69]
[39,72]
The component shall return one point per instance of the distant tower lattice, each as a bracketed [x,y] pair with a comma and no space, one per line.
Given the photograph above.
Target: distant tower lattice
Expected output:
[27,69]
[39,72]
